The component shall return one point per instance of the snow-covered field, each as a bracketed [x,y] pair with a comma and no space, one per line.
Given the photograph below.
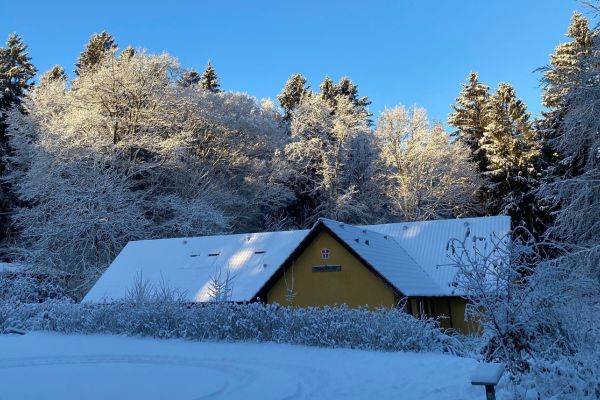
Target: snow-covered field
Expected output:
[49,366]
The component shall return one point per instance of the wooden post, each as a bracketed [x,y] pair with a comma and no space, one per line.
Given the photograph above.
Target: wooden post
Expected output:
[488,375]
[490,392]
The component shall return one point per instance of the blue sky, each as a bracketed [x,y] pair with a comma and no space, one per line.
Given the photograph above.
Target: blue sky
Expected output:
[404,51]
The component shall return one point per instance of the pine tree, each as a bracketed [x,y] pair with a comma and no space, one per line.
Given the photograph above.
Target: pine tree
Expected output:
[512,150]
[293,92]
[209,79]
[99,46]
[468,120]
[16,72]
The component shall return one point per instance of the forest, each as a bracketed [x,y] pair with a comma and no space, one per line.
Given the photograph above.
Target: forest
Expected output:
[135,146]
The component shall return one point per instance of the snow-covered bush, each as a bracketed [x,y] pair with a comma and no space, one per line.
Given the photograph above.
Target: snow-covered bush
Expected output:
[27,287]
[161,315]
[539,315]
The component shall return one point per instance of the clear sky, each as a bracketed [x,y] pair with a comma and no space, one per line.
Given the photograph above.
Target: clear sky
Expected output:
[404,51]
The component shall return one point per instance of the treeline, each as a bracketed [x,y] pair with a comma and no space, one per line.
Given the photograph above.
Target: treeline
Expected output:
[135,146]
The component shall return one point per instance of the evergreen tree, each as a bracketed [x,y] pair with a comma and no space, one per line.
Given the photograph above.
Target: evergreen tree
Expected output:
[565,64]
[189,78]
[331,93]
[293,92]
[467,118]
[565,73]
[512,151]
[56,73]
[16,72]
[209,79]
[348,89]
[99,46]
[328,91]
[571,186]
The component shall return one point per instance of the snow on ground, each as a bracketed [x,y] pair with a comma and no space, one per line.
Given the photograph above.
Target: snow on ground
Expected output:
[50,366]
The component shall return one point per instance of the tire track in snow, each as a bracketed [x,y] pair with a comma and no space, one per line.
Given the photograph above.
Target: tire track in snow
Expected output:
[239,376]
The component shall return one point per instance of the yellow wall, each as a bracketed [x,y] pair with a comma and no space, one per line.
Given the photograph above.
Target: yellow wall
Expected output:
[355,285]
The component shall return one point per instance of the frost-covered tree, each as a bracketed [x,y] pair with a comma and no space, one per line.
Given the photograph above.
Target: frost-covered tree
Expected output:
[209,79]
[124,152]
[566,63]
[16,72]
[512,150]
[100,46]
[330,170]
[292,94]
[426,175]
[467,117]
[572,187]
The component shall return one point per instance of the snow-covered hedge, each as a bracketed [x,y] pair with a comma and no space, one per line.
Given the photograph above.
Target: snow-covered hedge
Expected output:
[385,329]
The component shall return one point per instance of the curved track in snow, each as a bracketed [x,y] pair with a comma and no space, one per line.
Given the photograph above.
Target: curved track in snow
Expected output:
[46,366]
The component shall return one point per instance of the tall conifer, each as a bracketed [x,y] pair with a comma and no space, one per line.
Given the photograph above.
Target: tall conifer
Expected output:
[99,46]
[512,151]
[468,120]
[16,72]
[293,92]
[209,79]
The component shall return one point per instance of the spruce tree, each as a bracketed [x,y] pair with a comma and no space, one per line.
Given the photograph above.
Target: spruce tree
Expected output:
[565,72]
[56,73]
[98,47]
[189,78]
[328,91]
[512,151]
[565,64]
[293,92]
[347,88]
[209,79]
[468,120]
[16,72]
[331,93]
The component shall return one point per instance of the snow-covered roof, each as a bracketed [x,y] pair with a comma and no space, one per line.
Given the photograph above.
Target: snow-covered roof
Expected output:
[188,264]
[411,256]
[387,257]
[426,242]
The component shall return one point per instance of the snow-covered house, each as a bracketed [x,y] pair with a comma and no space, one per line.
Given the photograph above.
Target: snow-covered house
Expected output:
[331,263]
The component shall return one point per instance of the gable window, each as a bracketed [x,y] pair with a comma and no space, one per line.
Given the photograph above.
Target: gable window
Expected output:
[325,252]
